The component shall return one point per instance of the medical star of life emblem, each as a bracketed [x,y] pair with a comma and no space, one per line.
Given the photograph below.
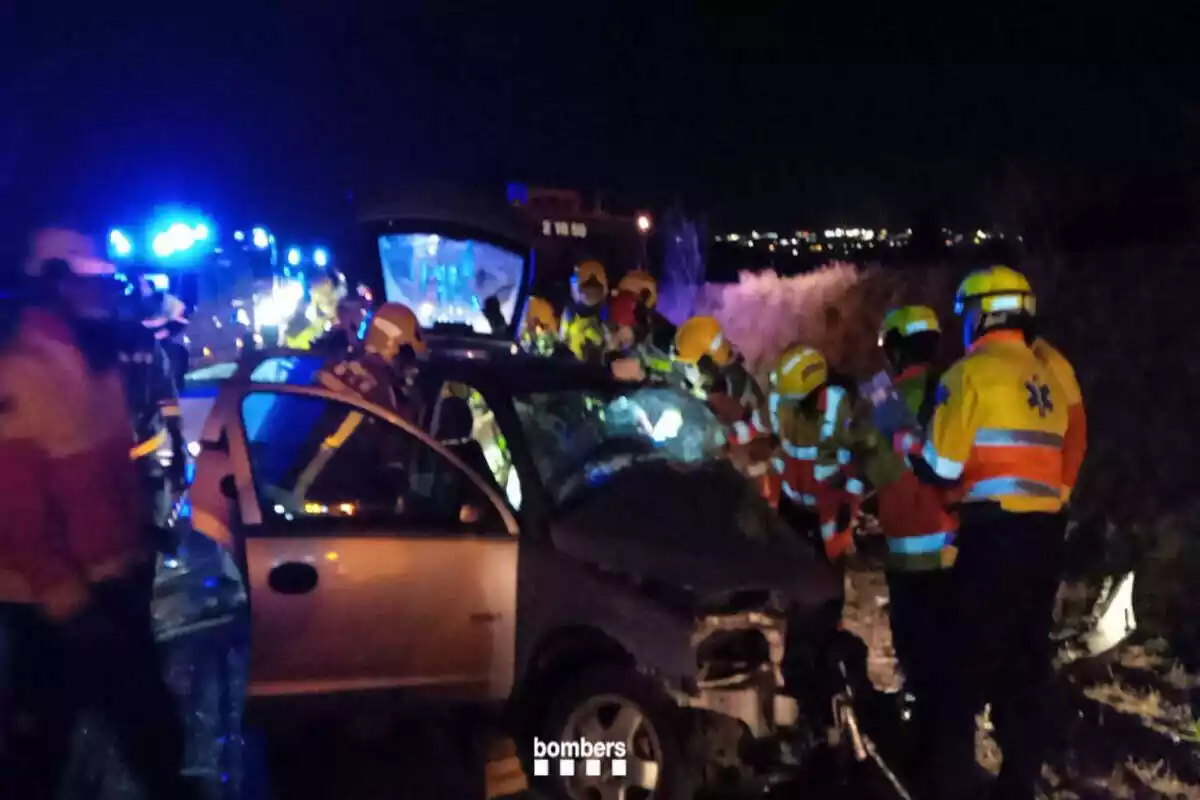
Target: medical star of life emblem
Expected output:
[1039,397]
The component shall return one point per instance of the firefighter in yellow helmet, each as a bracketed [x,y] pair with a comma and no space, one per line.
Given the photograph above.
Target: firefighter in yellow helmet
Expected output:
[811,411]
[640,284]
[914,517]
[719,375]
[583,318]
[539,329]
[384,373]
[659,331]
[998,436]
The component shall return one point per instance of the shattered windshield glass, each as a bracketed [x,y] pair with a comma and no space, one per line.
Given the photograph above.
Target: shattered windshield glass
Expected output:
[584,435]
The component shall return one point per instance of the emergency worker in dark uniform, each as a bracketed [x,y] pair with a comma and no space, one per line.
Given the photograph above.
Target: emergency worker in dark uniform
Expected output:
[384,373]
[153,400]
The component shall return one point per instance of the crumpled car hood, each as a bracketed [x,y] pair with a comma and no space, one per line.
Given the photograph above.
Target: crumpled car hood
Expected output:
[703,529]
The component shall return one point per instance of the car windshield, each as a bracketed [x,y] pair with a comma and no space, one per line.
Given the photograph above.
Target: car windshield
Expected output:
[576,436]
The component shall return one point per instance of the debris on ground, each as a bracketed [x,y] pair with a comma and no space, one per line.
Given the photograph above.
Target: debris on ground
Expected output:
[1129,727]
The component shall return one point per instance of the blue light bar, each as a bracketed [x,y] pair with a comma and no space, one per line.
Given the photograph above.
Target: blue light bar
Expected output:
[260,239]
[321,257]
[293,256]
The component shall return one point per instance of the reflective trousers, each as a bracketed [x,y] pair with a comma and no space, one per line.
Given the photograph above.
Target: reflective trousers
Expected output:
[997,649]
[104,658]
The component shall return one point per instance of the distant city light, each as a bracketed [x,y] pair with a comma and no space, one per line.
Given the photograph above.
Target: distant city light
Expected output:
[643,222]
[293,256]
[838,232]
[120,243]
[259,237]
[772,235]
[795,252]
[321,257]
[753,234]
[830,233]
[733,237]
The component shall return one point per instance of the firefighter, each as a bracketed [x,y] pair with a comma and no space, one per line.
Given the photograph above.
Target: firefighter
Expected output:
[150,391]
[77,565]
[997,436]
[583,318]
[719,375]
[919,529]
[811,410]
[659,330]
[629,337]
[166,316]
[539,329]
[384,374]
[343,337]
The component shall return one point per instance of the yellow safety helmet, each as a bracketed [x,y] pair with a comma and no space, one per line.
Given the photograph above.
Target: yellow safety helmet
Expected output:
[699,337]
[996,289]
[638,282]
[393,325]
[539,313]
[908,320]
[800,371]
[590,271]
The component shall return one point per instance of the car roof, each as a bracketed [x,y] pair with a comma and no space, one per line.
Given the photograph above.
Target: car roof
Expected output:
[468,360]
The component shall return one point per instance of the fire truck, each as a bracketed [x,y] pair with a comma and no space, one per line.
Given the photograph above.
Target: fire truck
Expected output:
[237,289]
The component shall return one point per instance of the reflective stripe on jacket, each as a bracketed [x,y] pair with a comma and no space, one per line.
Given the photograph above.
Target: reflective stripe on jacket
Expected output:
[817,473]
[999,427]
[1075,439]
[913,515]
[70,506]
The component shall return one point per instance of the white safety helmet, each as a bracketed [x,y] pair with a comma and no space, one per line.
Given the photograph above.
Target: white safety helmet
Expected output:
[73,247]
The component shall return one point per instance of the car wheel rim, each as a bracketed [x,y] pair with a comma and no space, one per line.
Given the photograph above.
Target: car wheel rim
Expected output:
[614,719]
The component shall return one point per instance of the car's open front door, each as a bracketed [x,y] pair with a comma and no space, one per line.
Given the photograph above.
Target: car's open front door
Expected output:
[375,558]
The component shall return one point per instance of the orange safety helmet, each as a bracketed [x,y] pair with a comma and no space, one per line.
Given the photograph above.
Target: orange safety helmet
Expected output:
[641,284]
[393,326]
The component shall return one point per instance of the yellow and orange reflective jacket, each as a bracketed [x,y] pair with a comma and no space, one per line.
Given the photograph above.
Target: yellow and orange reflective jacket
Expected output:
[1075,440]
[70,506]
[999,427]
[815,460]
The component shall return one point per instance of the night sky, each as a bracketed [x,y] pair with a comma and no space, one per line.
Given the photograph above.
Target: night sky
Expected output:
[758,118]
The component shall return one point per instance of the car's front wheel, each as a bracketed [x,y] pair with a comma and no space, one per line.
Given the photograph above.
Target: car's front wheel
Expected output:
[628,711]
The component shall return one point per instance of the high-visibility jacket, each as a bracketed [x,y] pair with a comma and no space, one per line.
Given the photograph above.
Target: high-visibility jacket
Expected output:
[999,427]
[1075,439]
[815,462]
[919,528]
[582,331]
[70,499]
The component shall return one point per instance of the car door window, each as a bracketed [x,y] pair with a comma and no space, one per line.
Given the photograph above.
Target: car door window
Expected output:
[318,459]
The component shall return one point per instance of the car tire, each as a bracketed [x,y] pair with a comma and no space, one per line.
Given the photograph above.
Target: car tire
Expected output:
[661,742]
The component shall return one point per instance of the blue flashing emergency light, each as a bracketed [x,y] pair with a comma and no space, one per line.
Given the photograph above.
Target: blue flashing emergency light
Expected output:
[293,256]
[260,239]
[321,257]
[239,236]
[200,232]
[121,246]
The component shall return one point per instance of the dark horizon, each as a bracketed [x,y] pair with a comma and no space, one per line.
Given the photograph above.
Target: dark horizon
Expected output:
[759,120]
